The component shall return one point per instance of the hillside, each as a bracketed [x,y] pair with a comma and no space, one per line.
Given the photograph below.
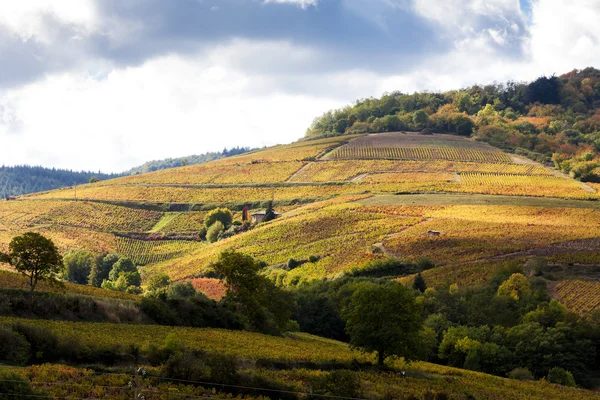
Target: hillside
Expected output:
[19,180]
[379,194]
[463,216]
[305,358]
[552,119]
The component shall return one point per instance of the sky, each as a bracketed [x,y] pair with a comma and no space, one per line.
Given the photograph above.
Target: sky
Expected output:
[109,84]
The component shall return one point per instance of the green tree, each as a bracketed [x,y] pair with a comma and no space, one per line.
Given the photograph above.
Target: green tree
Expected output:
[419,283]
[420,118]
[516,286]
[158,283]
[34,256]
[124,264]
[266,307]
[222,215]
[212,235]
[561,376]
[101,269]
[78,266]
[124,276]
[385,319]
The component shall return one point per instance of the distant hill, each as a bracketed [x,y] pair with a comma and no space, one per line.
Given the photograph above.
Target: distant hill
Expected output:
[157,165]
[23,179]
[552,119]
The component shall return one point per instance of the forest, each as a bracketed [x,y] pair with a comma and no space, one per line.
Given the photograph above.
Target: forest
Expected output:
[23,179]
[554,120]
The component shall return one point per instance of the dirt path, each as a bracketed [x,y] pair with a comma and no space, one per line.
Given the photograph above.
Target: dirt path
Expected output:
[290,179]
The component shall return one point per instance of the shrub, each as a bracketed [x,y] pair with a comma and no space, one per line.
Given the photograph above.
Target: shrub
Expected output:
[44,344]
[14,349]
[223,369]
[15,386]
[313,259]
[222,215]
[561,377]
[212,235]
[185,366]
[521,374]
[338,383]
[181,289]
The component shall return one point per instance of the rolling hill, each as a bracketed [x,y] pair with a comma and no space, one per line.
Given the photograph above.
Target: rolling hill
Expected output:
[345,201]
[459,212]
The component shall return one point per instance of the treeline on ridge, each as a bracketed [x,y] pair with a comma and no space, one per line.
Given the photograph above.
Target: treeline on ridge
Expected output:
[552,119]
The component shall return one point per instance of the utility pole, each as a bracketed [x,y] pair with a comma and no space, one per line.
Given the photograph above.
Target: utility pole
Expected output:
[136,383]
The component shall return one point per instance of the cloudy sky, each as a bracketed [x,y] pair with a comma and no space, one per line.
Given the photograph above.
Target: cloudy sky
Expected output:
[108,84]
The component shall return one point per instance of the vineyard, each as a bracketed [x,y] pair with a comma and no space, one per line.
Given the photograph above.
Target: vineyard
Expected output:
[404,146]
[217,172]
[580,296]
[12,280]
[419,153]
[144,252]
[239,344]
[342,235]
[421,380]
[101,217]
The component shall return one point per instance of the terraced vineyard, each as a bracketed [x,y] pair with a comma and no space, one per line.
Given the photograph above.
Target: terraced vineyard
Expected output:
[520,185]
[419,153]
[144,252]
[580,296]
[405,146]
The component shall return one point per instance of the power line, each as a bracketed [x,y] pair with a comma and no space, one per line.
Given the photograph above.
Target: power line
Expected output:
[255,388]
[42,396]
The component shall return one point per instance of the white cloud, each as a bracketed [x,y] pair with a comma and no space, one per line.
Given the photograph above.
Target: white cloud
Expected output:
[244,92]
[301,3]
[170,106]
[27,18]
[565,34]
[463,16]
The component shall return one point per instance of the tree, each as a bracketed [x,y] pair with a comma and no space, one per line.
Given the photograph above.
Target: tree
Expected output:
[212,235]
[419,283]
[269,212]
[101,269]
[222,215]
[78,265]
[158,283]
[267,308]
[240,272]
[385,319]
[561,376]
[516,286]
[124,276]
[420,117]
[34,256]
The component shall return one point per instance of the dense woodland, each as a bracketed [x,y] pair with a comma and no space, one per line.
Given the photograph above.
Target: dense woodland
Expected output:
[157,165]
[23,179]
[552,119]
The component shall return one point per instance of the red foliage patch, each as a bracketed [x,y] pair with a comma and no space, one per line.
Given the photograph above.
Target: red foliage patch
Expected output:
[212,288]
